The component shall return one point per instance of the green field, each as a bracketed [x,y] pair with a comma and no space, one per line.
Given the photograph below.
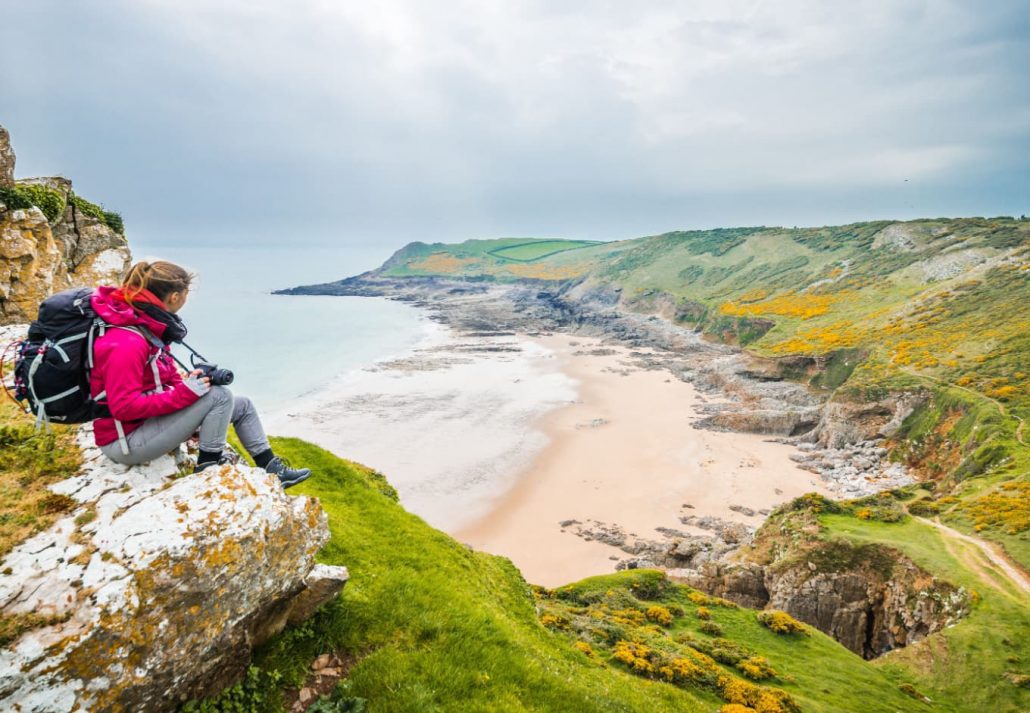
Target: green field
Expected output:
[538,249]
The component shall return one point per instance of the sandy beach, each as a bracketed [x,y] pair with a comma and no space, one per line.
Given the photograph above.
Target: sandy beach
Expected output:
[500,439]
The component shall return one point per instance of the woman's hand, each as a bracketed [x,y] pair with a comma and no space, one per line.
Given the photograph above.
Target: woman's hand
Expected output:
[196,383]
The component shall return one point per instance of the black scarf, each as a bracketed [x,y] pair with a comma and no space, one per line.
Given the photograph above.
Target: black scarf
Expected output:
[175,330]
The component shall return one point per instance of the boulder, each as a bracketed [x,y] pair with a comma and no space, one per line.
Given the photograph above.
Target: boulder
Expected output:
[157,588]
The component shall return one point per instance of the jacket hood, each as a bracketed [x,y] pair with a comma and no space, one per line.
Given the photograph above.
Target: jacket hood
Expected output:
[110,306]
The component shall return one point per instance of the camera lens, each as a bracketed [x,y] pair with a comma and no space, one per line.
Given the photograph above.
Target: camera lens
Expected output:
[221,377]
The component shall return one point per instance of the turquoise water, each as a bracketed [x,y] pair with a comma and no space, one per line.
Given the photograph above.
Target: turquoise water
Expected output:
[281,347]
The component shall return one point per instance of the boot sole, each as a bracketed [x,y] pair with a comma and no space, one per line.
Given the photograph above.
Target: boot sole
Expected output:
[294,481]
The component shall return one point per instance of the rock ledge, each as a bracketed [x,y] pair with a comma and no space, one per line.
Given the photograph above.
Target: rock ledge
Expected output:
[157,587]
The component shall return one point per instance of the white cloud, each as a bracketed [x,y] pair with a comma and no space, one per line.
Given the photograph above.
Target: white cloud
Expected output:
[497,108]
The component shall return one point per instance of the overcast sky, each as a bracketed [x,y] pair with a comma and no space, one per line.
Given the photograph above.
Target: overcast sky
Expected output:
[335,122]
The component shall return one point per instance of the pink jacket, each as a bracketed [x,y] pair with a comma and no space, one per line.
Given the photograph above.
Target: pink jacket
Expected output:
[121,368]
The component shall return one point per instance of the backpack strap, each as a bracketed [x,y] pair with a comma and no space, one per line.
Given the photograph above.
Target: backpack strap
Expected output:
[41,417]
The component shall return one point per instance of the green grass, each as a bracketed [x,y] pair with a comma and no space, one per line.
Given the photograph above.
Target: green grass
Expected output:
[30,460]
[109,218]
[435,625]
[22,196]
[538,249]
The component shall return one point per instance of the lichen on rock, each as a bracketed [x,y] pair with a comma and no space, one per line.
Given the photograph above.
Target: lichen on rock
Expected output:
[157,587]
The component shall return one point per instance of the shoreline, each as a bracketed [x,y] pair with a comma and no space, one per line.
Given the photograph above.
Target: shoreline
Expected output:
[496,438]
[449,421]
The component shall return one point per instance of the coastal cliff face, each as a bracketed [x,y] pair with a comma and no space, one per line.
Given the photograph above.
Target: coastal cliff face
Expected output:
[154,588]
[65,242]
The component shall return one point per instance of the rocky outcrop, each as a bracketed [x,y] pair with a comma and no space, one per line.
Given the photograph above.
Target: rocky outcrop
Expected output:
[870,598]
[844,422]
[6,159]
[157,587]
[39,256]
[739,582]
[868,614]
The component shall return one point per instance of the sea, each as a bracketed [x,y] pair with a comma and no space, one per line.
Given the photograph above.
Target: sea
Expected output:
[283,347]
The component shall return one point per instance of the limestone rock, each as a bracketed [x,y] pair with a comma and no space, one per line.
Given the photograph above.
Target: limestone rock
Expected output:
[844,422]
[868,614]
[30,263]
[322,584]
[740,583]
[38,258]
[6,159]
[865,607]
[157,587]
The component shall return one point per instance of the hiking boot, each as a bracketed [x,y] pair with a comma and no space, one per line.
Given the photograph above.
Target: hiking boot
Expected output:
[288,476]
[224,460]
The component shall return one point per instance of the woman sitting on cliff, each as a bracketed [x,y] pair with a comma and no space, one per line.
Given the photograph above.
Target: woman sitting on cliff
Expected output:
[153,408]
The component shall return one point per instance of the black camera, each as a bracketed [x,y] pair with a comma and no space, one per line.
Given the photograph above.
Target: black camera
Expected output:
[218,377]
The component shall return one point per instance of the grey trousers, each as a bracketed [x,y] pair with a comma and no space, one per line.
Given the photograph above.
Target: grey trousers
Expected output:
[211,413]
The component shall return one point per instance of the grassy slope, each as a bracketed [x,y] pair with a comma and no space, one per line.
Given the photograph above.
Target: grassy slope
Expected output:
[438,627]
[962,335]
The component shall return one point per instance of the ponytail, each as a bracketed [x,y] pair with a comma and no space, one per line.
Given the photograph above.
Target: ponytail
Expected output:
[160,277]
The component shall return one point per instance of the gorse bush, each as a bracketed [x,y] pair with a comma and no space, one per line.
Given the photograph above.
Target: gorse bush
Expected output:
[924,508]
[756,668]
[781,622]
[710,628]
[659,615]
[1008,507]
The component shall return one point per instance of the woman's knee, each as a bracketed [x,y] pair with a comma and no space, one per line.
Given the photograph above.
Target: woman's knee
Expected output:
[220,395]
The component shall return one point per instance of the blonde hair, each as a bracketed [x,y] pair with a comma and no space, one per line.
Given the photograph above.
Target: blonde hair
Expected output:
[161,277]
